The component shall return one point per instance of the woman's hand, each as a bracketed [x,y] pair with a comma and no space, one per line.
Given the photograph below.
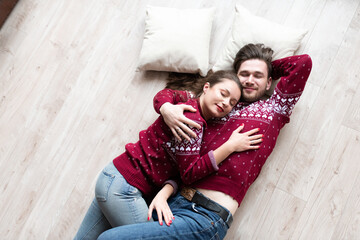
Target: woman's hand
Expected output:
[162,207]
[174,117]
[245,141]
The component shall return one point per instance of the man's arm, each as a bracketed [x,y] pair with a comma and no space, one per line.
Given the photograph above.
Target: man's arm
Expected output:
[174,114]
[169,96]
[294,71]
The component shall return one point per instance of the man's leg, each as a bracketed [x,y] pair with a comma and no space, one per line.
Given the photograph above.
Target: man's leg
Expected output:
[191,222]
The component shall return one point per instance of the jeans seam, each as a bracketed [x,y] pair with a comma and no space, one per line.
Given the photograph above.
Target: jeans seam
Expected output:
[92,228]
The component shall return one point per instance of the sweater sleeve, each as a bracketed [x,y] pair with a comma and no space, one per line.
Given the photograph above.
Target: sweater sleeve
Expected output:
[293,72]
[192,166]
[174,183]
[171,96]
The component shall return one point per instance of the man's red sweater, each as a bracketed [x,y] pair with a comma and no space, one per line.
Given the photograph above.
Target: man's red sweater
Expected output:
[240,169]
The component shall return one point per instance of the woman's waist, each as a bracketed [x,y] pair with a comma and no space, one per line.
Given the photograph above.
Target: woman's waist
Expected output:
[221,198]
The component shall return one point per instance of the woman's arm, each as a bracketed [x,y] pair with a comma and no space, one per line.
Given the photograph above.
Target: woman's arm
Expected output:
[238,142]
[193,167]
[160,204]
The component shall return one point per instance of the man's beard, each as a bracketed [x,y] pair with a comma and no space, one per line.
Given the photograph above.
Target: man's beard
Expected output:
[253,98]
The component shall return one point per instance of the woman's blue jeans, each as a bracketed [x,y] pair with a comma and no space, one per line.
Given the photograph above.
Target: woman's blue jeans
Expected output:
[116,203]
[191,222]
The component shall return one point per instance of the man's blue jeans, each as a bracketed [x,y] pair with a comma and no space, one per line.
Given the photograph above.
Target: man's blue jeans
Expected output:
[116,203]
[191,222]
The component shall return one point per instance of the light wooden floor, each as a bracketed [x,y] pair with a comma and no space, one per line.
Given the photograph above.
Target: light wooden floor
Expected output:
[70,98]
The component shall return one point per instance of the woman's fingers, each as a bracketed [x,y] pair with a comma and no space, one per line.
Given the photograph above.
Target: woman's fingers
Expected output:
[257,136]
[239,128]
[252,131]
[151,208]
[159,213]
[168,217]
[256,141]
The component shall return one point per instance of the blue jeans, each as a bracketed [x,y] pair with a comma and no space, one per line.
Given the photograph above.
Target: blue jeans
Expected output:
[116,203]
[191,222]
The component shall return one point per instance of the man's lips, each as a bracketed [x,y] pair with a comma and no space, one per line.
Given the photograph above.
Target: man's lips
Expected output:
[249,89]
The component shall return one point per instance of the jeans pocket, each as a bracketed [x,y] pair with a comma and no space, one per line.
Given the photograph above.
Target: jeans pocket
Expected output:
[102,186]
[194,205]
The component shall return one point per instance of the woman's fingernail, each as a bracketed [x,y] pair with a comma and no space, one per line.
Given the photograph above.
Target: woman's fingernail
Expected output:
[161,223]
[174,218]
[242,125]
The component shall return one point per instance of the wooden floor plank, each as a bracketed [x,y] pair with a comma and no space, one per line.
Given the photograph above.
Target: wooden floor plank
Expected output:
[71,97]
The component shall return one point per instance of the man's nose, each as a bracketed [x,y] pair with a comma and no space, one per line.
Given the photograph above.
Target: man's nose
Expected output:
[250,79]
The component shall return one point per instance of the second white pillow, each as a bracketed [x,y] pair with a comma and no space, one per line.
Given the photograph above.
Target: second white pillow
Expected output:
[248,28]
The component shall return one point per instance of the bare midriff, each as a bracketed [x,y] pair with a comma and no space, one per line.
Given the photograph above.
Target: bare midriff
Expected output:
[221,198]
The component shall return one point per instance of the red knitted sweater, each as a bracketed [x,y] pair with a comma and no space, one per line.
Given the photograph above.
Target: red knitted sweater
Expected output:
[158,157]
[239,170]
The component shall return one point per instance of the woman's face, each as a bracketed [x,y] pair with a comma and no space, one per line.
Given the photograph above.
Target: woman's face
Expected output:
[253,75]
[219,99]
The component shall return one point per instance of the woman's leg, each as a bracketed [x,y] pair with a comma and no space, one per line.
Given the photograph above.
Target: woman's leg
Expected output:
[120,202]
[93,224]
[191,222]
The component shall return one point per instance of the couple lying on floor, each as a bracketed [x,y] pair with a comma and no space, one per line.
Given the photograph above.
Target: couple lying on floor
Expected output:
[201,155]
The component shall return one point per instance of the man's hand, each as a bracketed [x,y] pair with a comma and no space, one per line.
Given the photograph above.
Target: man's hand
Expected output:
[174,117]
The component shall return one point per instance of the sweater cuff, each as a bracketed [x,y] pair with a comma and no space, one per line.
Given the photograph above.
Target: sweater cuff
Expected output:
[173,184]
[213,161]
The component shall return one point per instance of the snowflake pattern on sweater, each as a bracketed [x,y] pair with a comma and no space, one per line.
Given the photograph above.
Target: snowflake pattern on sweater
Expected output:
[157,157]
[186,147]
[240,169]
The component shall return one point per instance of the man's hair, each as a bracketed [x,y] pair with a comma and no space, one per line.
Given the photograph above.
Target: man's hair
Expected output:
[254,51]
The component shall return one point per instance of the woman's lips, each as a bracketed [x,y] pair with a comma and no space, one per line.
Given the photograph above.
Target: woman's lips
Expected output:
[219,108]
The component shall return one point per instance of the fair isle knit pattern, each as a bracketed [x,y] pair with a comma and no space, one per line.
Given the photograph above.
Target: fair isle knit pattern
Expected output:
[157,157]
[186,147]
[240,169]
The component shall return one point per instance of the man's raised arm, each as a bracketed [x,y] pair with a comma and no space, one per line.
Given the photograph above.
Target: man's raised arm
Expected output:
[294,72]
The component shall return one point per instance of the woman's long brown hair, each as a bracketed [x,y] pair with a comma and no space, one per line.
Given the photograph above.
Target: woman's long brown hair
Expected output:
[195,82]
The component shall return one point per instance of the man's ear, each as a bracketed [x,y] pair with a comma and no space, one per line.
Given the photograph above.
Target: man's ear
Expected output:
[268,84]
[206,87]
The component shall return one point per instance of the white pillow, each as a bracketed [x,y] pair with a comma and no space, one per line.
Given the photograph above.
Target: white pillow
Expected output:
[177,40]
[248,28]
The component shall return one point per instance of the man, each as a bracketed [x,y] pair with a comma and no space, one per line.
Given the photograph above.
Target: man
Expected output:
[204,209]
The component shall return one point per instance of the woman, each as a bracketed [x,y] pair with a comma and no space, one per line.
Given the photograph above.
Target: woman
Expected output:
[136,175]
